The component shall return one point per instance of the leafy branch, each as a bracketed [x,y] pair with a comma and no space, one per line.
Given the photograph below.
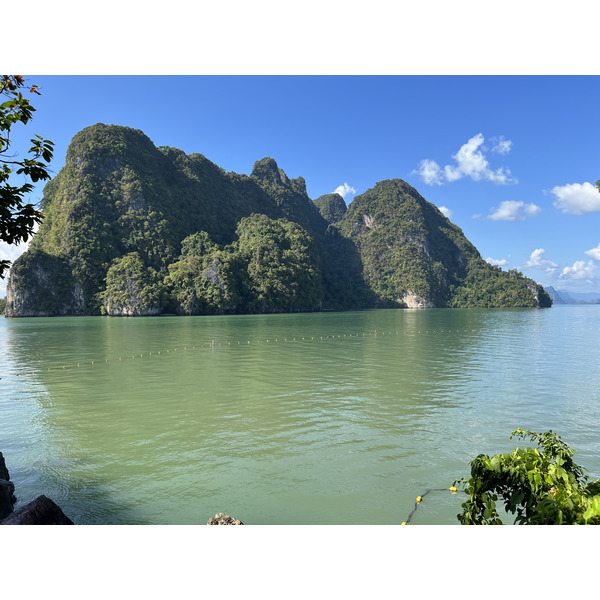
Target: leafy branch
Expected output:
[542,486]
[17,217]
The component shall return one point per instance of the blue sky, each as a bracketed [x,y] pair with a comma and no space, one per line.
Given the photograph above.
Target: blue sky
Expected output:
[513,160]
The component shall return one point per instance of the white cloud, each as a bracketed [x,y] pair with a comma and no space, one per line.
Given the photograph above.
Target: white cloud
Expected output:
[470,162]
[430,172]
[445,211]
[497,262]
[594,253]
[513,210]
[577,198]
[537,261]
[345,190]
[501,145]
[579,270]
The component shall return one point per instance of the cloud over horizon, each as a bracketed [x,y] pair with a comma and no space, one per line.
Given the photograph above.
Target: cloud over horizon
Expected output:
[594,253]
[470,162]
[513,210]
[577,198]
[538,261]
[579,270]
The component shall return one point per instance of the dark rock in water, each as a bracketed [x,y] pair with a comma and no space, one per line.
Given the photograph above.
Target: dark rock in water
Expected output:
[7,497]
[7,490]
[3,470]
[42,511]
[223,519]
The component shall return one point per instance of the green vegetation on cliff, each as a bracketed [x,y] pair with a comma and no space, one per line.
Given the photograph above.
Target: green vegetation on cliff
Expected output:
[140,230]
[413,255]
[332,207]
[271,267]
[282,265]
[43,285]
[131,288]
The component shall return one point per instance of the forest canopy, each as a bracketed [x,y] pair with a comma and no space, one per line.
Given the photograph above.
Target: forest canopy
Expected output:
[133,229]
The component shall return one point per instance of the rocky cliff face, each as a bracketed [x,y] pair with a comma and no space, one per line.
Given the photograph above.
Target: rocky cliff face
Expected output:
[332,207]
[118,196]
[41,285]
[413,256]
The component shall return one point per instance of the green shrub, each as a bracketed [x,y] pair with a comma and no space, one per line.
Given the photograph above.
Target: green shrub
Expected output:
[542,486]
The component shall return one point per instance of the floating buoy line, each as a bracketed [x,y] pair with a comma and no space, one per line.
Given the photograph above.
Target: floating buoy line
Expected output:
[419,500]
[213,345]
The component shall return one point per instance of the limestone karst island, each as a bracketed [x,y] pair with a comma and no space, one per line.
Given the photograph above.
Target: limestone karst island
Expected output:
[132,229]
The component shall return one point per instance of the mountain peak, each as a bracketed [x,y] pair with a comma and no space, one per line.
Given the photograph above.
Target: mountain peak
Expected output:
[267,170]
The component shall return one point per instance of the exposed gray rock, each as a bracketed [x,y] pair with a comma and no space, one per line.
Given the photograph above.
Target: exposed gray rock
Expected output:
[41,285]
[223,519]
[413,300]
[41,511]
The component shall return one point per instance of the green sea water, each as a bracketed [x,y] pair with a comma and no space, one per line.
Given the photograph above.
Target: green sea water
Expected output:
[324,418]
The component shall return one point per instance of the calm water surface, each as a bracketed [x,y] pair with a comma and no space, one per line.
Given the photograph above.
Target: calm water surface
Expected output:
[328,418]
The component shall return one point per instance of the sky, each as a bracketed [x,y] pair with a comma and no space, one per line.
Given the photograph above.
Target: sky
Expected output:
[511,160]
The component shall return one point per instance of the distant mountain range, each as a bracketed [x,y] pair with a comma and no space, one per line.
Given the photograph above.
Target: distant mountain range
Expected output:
[566,297]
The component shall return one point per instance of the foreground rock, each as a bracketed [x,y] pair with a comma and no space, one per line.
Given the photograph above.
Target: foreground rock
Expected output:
[7,490]
[223,519]
[42,511]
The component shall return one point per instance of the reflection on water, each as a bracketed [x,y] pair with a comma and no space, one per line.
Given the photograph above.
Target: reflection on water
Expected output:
[286,419]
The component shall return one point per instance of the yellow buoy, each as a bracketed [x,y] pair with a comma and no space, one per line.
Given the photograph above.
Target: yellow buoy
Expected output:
[419,499]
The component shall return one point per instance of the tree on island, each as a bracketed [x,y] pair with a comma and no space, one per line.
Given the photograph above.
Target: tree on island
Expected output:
[18,218]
